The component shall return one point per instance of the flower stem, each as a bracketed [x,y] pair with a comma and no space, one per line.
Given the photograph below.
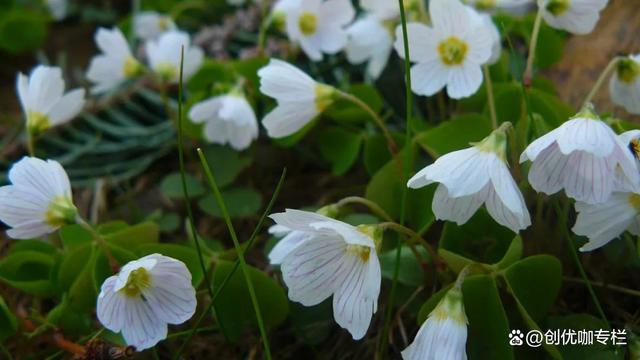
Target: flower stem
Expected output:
[239,251]
[375,208]
[264,27]
[490,98]
[603,76]
[102,243]
[413,236]
[528,72]
[391,143]
[31,142]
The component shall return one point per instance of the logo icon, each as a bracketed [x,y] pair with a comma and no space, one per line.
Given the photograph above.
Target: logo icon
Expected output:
[515,337]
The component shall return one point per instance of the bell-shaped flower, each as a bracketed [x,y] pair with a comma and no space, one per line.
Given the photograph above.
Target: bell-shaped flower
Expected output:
[444,334]
[38,201]
[474,176]
[575,16]
[145,296]
[584,157]
[43,99]
[300,98]
[229,119]
[164,56]
[624,85]
[318,26]
[115,65]
[329,257]
[449,53]
[149,25]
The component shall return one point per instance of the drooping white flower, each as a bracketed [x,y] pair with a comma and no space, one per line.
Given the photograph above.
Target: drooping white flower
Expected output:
[449,53]
[584,157]
[318,26]
[288,242]
[43,99]
[605,221]
[369,40]
[149,25]
[473,176]
[57,8]
[115,65]
[444,334]
[39,199]
[300,98]
[145,296]
[164,56]
[333,258]
[624,85]
[229,119]
[575,16]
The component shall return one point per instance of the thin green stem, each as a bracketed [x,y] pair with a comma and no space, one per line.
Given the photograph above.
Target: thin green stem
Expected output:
[236,243]
[31,143]
[413,236]
[490,98]
[603,76]
[102,243]
[375,208]
[264,27]
[183,178]
[620,289]
[562,220]
[391,143]
[528,72]
[405,172]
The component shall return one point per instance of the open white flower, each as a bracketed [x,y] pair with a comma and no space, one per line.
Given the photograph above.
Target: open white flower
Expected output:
[38,201]
[369,40]
[604,222]
[584,157]
[164,56]
[145,296]
[115,65]
[229,119]
[381,9]
[300,98]
[473,176]
[57,8]
[318,26]
[444,334]
[451,52]
[43,99]
[149,25]
[624,86]
[333,258]
[575,16]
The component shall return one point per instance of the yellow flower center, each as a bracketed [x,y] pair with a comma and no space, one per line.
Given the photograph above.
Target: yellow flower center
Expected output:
[139,279]
[485,4]
[558,7]
[308,23]
[628,70]
[164,23]
[453,51]
[324,96]
[634,200]
[37,122]
[61,211]
[131,68]
[363,252]
[634,146]
[166,70]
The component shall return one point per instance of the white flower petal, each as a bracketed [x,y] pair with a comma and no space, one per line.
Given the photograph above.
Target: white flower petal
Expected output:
[110,308]
[285,82]
[142,328]
[67,107]
[592,136]
[547,173]
[46,87]
[588,178]
[289,117]
[286,245]
[459,209]
[464,80]
[515,219]
[428,78]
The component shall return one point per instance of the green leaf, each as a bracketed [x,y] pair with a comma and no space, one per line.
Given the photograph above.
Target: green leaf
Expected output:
[29,271]
[238,311]
[225,163]
[171,186]
[73,322]
[22,30]
[579,322]
[180,252]
[33,245]
[345,111]
[454,261]
[133,236]
[340,147]
[240,202]
[312,324]
[455,134]
[83,292]
[8,321]
[73,236]
[411,272]
[513,254]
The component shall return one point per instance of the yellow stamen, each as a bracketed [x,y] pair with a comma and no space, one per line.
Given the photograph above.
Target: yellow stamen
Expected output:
[138,280]
[37,122]
[453,51]
[166,70]
[558,7]
[634,200]
[131,67]
[308,23]
[361,251]
[628,70]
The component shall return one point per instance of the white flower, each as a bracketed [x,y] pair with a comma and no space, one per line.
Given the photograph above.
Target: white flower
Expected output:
[43,99]
[624,86]
[300,98]
[228,119]
[451,52]
[381,9]
[164,56]
[473,176]
[443,336]
[38,201]
[335,259]
[115,65]
[604,222]
[280,12]
[148,25]
[496,40]
[145,296]
[57,8]
[575,16]
[584,157]
[369,40]
[318,26]
[290,240]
